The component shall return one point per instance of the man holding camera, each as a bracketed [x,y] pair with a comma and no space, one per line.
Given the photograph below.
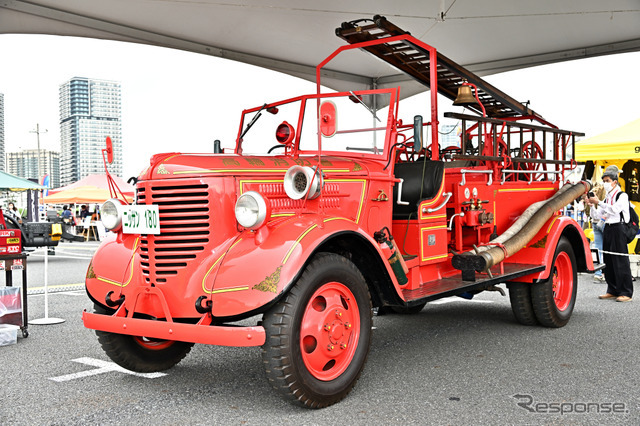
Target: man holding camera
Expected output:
[617,271]
[596,225]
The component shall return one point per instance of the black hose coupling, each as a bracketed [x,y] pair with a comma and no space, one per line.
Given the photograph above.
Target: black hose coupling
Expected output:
[113,303]
[207,305]
[469,264]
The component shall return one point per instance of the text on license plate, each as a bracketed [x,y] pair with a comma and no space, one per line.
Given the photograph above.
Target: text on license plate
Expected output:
[141,219]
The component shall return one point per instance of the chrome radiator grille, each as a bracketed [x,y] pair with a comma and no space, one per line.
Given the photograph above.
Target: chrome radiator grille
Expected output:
[184,223]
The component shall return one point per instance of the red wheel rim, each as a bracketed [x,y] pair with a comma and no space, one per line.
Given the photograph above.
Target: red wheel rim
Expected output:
[562,281]
[153,344]
[329,331]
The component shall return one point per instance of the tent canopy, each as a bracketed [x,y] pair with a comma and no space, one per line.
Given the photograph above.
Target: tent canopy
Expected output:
[98,181]
[293,36]
[614,146]
[82,195]
[9,182]
[91,189]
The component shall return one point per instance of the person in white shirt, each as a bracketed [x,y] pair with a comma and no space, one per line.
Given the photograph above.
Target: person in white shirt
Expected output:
[617,272]
[12,212]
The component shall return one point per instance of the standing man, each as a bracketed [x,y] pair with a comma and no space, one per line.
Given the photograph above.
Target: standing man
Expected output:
[617,271]
[66,214]
[84,212]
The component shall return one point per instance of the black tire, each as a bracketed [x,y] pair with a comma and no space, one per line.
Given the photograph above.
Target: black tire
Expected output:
[520,297]
[331,292]
[553,300]
[402,310]
[141,354]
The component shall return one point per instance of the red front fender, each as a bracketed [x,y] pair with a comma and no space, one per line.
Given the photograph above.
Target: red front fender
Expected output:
[262,264]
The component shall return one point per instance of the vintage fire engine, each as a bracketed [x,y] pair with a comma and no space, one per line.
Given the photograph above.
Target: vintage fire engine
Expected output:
[350,208]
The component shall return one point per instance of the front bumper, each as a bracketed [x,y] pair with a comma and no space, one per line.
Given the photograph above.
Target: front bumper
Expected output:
[123,322]
[195,333]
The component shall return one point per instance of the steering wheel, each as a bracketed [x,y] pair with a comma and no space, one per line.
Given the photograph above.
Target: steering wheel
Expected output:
[537,154]
[448,152]
[409,151]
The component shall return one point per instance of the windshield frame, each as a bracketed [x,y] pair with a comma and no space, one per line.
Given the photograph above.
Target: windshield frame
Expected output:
[388,126]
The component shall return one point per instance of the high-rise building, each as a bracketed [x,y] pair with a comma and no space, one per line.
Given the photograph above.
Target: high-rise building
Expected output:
[89,112]
[2,164]
[25,165]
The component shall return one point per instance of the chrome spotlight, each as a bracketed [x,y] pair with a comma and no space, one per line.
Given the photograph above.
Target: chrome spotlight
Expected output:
[303,181]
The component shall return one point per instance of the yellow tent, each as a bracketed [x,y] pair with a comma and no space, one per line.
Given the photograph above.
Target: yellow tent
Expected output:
[616,146]
[613,147]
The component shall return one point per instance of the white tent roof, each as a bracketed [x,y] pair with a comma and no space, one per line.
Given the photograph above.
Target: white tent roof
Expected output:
[293,36]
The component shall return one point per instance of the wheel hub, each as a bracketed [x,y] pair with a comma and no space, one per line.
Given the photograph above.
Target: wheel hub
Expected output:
[336,331]
[330,325]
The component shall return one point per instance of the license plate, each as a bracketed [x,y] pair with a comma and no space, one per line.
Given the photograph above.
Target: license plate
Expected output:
[141,219]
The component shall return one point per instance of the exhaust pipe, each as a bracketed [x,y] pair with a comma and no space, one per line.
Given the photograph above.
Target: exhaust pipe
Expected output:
[519,234]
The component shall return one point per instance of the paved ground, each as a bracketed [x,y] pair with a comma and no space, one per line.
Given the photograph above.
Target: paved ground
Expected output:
[457,362]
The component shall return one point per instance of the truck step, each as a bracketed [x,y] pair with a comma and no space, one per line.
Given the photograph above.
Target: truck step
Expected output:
[451,286]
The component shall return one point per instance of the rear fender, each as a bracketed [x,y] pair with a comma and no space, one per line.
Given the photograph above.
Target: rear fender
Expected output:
[541,249]
[261,265]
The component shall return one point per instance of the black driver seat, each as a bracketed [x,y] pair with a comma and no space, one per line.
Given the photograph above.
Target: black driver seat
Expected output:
[414,185]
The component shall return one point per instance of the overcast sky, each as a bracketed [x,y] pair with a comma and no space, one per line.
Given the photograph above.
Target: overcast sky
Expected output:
[174,101]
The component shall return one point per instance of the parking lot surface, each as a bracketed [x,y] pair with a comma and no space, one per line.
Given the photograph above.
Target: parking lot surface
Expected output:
[456,362]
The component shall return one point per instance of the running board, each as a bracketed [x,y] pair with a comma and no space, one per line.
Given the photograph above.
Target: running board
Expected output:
[446,287]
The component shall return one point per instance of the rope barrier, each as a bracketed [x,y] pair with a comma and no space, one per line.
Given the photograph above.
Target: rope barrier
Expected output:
[619,254]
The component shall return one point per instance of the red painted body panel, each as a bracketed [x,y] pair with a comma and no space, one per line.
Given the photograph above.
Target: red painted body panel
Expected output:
[275,261]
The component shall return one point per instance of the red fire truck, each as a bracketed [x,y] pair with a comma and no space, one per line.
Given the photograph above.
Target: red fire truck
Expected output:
[331,205]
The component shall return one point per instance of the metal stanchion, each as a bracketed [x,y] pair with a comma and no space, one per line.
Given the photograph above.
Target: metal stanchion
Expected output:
[46,320]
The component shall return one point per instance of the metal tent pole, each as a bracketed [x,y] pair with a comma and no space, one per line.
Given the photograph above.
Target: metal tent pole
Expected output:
[46,320]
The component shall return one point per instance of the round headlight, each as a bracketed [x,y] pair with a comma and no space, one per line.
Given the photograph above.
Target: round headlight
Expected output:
[110,214]
[251,210]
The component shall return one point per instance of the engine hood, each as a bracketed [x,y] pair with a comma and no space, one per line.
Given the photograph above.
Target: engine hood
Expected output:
[176,165]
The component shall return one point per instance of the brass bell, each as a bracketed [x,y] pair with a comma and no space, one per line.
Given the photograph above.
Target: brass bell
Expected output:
[465,97]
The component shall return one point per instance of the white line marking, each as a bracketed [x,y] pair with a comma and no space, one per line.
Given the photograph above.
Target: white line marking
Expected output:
[56,287]
[72,247]
[51,256]
[78,293]
[75,293]
[103,367]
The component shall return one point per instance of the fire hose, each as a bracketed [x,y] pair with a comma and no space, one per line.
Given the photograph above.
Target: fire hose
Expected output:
[521,232]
